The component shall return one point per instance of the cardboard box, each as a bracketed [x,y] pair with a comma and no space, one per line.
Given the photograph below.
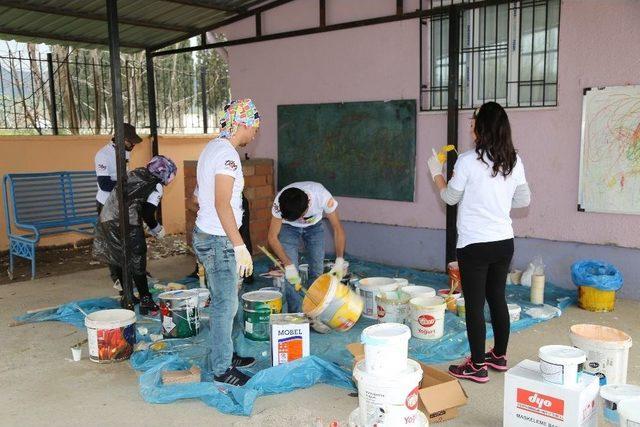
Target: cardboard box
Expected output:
[289,334]
[530,401]
[441,395]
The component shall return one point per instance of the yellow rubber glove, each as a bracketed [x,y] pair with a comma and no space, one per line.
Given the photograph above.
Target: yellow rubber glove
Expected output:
[293,277]
[244,263]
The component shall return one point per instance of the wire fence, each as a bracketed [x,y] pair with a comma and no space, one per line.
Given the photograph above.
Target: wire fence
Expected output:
[71,93]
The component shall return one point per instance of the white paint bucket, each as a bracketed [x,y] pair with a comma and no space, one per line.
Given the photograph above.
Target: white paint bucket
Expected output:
[354,419]
[514,312]
[612,395]
[111,335]
[561,364]
[392,307]
[370,287]
[204,297]
[427,317]
[388,402]
[385,348]
[413,291]
[401,282]
[629,412]
[607,351]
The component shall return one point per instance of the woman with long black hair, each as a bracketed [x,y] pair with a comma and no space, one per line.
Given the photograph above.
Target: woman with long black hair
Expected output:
[487,183]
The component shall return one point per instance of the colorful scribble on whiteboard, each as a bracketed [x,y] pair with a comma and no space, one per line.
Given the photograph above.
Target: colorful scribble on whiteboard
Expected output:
[610,150]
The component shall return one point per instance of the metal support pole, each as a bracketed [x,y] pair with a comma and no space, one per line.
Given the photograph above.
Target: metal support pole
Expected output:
[203,88]
[151,95]
[452,123]
[121,165]
[52,93]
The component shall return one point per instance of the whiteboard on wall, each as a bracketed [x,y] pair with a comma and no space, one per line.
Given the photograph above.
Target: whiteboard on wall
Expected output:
[610,150]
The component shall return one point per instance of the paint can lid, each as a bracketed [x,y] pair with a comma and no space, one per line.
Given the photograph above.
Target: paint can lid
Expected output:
[378,284]
[261,296]
[386,334]
[617,392]
[562,354]
[110,319]
[514,308]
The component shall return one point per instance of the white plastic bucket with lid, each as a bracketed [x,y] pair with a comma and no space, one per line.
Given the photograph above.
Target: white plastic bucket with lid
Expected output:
[354,419]
[401,282]
[413,291]
[514,312]
[561,364]
[427,317]
[204,297]
[386,347]
[607,351]
[612,395]
[388,402]
[370,287]
[392,307]
[629,412]
[111,335]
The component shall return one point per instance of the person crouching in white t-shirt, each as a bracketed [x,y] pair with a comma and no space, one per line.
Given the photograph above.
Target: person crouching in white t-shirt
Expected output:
[297,217]
[216,239]
[487,183]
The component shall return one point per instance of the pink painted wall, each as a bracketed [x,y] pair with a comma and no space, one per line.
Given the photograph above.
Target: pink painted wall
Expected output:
[598,46]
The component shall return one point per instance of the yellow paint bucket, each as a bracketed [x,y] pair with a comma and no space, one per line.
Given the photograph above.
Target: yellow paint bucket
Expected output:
[592,299]
[332,303]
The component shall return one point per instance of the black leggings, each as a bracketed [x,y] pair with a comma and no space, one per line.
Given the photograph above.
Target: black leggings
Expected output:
[483,270]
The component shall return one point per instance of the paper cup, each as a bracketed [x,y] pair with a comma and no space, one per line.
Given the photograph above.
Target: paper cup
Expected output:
[76,353]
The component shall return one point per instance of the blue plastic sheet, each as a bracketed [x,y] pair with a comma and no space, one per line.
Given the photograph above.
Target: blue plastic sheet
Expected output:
[596,274]
[70,312]
[330,362]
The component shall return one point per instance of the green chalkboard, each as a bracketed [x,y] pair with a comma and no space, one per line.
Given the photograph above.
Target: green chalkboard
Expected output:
[354,149]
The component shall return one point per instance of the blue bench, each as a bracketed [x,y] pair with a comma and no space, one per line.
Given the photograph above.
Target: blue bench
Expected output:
[43,204]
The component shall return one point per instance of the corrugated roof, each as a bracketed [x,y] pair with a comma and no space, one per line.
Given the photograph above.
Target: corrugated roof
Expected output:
[143,23]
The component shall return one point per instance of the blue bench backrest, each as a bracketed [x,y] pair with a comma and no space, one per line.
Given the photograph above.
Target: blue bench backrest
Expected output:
[53,199]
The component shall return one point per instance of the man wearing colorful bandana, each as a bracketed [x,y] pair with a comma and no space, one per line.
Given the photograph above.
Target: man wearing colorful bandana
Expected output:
[216,239]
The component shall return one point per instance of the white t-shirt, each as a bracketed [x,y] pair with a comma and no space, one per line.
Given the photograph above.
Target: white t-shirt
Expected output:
[105,163]
[483,212]
[219,157]
[320,202]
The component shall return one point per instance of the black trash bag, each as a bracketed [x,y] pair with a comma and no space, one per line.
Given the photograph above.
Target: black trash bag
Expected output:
[107,244]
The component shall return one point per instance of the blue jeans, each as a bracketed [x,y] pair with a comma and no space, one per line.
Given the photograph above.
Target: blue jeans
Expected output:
[313,237]
[217,256]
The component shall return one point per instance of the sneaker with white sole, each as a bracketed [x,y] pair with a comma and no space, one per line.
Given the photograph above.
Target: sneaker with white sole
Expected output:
[232,377]
[468,370]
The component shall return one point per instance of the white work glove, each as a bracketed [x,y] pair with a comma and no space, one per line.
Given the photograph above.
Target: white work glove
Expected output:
[244,263]
[293,277]
[435,167]
[158,231]
[338,268]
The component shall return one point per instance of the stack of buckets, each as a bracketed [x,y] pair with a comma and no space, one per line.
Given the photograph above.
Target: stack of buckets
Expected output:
[388,381]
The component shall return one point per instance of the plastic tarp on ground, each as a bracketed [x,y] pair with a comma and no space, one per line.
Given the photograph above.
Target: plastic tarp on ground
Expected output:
[330,362]
[596,274]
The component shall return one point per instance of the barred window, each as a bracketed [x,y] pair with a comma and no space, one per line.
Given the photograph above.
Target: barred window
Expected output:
[508,53]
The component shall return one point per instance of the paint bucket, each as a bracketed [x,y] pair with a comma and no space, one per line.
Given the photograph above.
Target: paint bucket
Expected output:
[257,307]
[111,335]
[385,348]
[427,317]
[629,412]
[370,287]
[454,276]
[413,291]
[303,270]
[354,419]
[401,282]
[514,312]
[451,299]
[537,289]
[388,402]
[204,297]
[461,309]
[612,395]
[561,364]
[607,351]
[392,307]
[332,303]
[592,299]
[279,283]
[179,313]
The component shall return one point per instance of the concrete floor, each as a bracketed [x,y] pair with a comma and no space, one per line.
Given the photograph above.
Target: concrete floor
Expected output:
[40,387]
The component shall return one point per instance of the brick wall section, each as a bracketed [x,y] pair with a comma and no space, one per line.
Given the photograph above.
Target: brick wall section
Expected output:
[258,189]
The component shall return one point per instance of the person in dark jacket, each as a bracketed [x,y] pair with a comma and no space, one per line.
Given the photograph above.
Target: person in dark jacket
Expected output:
[107,245]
